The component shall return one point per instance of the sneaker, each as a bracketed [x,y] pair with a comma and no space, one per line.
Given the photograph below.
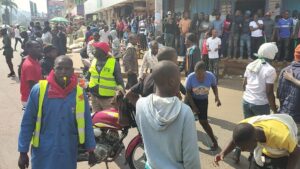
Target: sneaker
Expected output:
[11,75]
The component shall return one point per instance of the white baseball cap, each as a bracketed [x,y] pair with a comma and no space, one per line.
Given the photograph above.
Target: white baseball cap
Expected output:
[169,13]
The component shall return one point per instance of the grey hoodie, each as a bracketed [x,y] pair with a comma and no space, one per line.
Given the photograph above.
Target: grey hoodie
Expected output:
[168,129]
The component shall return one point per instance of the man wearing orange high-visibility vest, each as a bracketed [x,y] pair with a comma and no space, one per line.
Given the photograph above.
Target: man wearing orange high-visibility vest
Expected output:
[57,118]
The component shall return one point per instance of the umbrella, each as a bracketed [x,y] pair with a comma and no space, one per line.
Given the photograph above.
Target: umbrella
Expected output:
[59,19]
[5,26]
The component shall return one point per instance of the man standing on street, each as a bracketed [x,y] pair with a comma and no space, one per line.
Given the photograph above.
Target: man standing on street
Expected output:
[57,119]
[130,61]
[104,77]
[259,83]
[184,26]
[269,25]
[170,30]
[284,31]
[235,34]
[257,38]
[31,71]
[288,93]
[167,124]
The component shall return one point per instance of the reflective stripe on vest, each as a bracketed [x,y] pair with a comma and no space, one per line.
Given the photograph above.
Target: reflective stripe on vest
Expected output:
[80,107]
[105,79]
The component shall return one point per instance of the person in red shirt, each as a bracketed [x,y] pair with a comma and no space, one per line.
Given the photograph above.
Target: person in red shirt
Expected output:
[31,71]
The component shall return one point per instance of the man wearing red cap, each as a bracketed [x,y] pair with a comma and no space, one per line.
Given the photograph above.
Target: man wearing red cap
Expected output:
[288,91]
[104,77]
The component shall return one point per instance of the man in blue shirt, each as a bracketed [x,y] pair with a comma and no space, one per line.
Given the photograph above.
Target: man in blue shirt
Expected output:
[284,32]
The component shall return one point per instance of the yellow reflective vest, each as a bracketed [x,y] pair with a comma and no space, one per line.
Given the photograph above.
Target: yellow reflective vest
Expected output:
[105,79]
[80,107]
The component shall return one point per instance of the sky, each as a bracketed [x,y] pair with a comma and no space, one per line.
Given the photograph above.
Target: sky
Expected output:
[24,5]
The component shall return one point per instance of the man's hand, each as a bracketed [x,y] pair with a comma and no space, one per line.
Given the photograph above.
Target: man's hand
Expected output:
[288,75]
[92,159]
[218,102]
[23,161]
[218,157]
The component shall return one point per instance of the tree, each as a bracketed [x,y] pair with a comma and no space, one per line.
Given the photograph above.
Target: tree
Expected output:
[9,4]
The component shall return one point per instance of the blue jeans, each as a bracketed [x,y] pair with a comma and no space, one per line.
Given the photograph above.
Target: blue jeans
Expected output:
[214,67]
[245,39]
[251,110]
[169,39]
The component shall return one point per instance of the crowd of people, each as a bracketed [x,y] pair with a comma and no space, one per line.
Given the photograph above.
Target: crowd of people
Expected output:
[241,34]
[57,112]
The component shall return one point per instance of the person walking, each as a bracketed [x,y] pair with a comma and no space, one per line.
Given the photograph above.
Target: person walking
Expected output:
[197,86]
[57,118]
[8,52]
[104,77]
[288,91]
[31,70]
[130,61]
[257,39]
[17,36]
[167,124]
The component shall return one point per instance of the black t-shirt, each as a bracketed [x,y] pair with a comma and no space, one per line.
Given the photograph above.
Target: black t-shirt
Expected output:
[147,87]
[170,27]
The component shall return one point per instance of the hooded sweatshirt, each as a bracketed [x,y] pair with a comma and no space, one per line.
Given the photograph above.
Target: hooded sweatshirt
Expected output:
[168,129]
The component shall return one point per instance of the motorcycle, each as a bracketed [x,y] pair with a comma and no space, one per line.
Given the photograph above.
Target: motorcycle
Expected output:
[109,144]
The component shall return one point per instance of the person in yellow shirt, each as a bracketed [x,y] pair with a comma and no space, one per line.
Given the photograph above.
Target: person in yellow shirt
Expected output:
[271,138]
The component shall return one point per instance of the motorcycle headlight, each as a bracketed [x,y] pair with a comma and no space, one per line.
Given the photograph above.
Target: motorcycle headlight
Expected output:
[97,132]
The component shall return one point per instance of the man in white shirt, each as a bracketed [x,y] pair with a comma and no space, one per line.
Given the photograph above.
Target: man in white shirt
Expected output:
[258,83]
[149,59]
[257,37]
[104,35]
[213,45]
[17,36]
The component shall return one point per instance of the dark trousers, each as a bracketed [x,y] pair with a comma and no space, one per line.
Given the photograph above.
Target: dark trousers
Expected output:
[9,63]
[131,80]
[16,42]
[271,163]
[225,39]
[255,44]
[284,46]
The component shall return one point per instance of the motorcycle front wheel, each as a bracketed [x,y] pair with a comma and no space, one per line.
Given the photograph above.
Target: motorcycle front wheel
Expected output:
[137,159]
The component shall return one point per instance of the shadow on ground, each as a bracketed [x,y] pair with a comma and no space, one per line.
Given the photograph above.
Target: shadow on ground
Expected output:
[222,123]
[227,83]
